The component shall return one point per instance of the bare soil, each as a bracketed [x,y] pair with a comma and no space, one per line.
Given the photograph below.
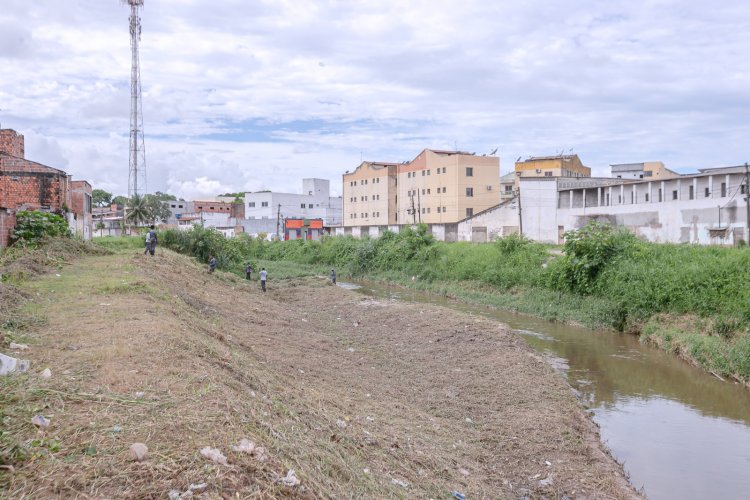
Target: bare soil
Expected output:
[360,397]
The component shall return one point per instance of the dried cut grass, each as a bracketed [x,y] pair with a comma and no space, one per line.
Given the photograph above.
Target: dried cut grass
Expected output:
[357,397]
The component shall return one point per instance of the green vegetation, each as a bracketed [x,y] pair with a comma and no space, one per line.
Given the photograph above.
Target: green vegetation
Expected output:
[31,227]
[604,278]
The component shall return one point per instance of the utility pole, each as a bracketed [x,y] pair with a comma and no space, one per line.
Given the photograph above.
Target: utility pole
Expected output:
[419,207]
[520,218]
[747,204]
[413,213]
[278,222]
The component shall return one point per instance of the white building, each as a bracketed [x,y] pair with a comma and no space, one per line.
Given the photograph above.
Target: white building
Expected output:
[709,207]
[315,202]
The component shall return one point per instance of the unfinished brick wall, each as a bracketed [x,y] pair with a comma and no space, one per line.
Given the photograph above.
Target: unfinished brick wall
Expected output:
[7,223]
[25,183]
[80,199]
[11,143]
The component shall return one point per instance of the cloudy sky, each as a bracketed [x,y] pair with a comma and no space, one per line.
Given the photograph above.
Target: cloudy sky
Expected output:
[242,95]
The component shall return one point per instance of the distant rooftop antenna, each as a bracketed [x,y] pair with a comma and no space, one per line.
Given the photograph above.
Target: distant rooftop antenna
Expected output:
[137,170]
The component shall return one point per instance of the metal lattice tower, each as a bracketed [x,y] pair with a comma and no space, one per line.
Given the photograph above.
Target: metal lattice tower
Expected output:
[137,171]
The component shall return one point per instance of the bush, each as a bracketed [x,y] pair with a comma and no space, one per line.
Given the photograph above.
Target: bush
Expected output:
[31,227]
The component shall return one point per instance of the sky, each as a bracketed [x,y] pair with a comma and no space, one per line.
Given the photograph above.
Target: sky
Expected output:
[245,95]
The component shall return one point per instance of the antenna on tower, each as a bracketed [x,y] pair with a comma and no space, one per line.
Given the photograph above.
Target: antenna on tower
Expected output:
[137,168]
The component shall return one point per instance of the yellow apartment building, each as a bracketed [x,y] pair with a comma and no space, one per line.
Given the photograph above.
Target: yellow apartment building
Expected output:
[369,194]
[439,187]
[552,166]
[436,187]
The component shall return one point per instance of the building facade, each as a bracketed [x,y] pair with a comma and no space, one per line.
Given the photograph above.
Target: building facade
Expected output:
[370,194]
[28,185]
[552,166]
[709,207]
[652,170]
[315,202]
[436,187]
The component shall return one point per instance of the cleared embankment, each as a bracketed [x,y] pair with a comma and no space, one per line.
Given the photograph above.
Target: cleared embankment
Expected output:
[690,300]
[361,398]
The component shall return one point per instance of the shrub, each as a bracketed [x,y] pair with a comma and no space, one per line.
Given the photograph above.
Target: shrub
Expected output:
[31,227]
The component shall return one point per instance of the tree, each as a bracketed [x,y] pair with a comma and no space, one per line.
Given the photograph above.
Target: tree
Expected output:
[164,196]
[120,200]
[158,211]
[137,210]
[101,198]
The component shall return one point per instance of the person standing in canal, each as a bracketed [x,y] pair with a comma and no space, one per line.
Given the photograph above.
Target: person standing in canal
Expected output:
[333,276]
[263,276]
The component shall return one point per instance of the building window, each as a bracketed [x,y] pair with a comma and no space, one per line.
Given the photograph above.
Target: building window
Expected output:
[423,192]
[438,171]
[742,188]
[469,192]
[508,189]
[469,212]
[423,174]
[660,197]
[443,169]
[302,205]
[619,199]
[355,183]
[428,210]
[428,190]
[723,189]
[251,204]
[548,174]
[444,190]
[309,205]
[424,210]
[469,171]
[438,209]
[443,209]
[264,204]
[428,172]
[674,194]
[691,193]
[646,196]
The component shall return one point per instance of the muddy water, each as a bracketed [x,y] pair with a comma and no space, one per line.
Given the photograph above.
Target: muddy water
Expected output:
[680,432]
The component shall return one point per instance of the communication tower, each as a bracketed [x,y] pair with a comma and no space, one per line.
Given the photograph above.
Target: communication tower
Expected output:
[137,171]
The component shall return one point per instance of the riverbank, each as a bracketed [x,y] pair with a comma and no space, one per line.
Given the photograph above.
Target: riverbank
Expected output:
[360,397]
[689,300]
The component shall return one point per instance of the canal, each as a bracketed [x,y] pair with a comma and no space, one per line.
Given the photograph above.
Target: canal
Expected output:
[680,432]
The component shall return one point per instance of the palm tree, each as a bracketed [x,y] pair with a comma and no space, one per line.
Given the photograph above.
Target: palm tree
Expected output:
[137,208]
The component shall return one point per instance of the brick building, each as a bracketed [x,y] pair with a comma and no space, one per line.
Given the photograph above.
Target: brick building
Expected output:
[28,185]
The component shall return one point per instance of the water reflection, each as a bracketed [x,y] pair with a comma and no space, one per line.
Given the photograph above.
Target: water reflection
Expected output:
[681,433]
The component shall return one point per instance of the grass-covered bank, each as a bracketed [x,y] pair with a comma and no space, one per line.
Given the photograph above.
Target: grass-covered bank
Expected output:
[604,278]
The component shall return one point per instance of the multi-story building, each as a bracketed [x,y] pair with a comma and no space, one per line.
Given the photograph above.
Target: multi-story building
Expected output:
[709,207]
[436,187]
[315,202]
[370,194]
[552,166]
[652,170]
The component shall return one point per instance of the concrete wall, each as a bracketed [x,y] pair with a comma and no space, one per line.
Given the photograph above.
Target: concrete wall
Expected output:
[491,224]
[539,209]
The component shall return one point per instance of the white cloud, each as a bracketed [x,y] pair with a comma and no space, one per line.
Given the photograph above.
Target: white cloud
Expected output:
[249,95]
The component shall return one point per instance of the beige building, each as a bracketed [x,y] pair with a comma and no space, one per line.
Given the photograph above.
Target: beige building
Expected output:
[651,170]
[370,194]
[552,166]
[446,186]
[435,187]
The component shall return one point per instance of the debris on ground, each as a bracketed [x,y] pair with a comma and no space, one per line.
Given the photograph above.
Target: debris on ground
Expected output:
[458,495]
[245,446]
[340,424]
[40,421]
[399,482]
[290,479]
[214,455]
[47,373]
[9,364]
[188,493]
[18,347]
[139,452]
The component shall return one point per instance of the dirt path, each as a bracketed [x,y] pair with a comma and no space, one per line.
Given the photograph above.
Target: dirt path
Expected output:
[362,398]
